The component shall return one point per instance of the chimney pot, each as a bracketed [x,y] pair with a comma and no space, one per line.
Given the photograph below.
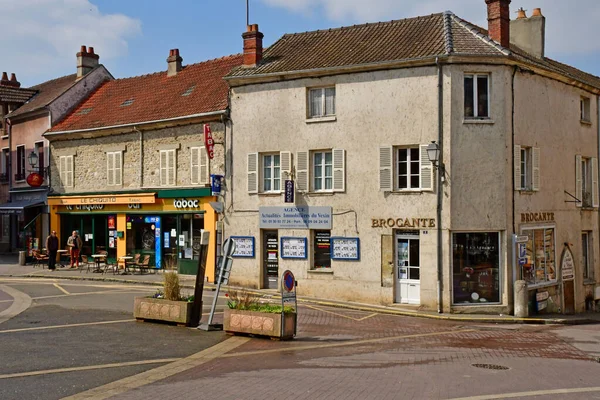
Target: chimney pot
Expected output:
[174,62]
[90,50]
[529,34]
[521,13]
[4,76]
[253,47]
[83,49]
[537,12]
[86,61]
[498,12]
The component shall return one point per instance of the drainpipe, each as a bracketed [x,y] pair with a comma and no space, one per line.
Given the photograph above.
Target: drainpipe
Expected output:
[440,177]
[511,288]
[141,156]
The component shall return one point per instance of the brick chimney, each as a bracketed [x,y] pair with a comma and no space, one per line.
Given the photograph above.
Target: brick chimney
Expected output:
[499,21]
[12,82]
[174,62]
[530,33]
[253,48]
[87,60]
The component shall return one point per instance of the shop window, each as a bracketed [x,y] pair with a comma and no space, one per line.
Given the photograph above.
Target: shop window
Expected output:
[586,177]
[114,168]
[321,102]
[4,228]
[586,256]
[322,249]
[199,165]
[66,171]
[20,163]
[477,99]
[476,267]
[527,168]
[405,169]
[167,168]
[540,266]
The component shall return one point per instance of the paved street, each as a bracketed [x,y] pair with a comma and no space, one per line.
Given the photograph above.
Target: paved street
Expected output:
[78,339]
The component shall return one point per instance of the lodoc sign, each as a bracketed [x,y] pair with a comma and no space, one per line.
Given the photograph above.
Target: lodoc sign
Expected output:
[185,203]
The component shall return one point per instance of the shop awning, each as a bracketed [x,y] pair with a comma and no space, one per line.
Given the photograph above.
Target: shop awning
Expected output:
[17,207]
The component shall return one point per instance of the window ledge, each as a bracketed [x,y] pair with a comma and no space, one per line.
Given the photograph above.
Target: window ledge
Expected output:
[21,181]
[588,208]
[321,119]
[269,194]
[478,121]
[584,122]
[4,137]
[527,192]
[321,193]
[325,271]
[542,285]
[587,281]
[410,192]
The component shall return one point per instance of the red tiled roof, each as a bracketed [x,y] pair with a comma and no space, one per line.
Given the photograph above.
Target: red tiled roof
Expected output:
[47,92]
[196,89]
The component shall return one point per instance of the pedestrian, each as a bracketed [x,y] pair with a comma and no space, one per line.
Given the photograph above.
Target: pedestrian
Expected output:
[52,248]
[74,243]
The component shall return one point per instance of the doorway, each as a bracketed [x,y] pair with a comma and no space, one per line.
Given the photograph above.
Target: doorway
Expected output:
[408,268]
[270,253]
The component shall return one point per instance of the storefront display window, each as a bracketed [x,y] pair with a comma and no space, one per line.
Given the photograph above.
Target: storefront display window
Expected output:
[540,266]
[5,229]
[322,249]
[476,267]
[143,237]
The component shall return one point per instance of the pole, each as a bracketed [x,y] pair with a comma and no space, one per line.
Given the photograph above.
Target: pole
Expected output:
[247,12]
[199,287]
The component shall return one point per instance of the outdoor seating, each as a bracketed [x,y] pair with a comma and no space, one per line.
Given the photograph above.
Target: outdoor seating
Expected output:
[39,259]
[132,263]
[144,264]
[86,262]
[111,264]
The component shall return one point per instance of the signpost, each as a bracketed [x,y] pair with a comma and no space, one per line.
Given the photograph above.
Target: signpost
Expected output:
[199,287]
[288,295]
[223,273]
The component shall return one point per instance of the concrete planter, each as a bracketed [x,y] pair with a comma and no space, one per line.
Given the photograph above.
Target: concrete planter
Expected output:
[146,308]
[259,323]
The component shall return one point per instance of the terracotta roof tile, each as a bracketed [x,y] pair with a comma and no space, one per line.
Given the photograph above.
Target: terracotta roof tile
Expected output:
[47,92]
[197,88]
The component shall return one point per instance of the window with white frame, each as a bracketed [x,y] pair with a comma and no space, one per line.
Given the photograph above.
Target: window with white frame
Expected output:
[20,163]
[271,173]
[405,168]
[168,171]
[586,255]
[66,170]
[199,165]
[477,95]
[114,168]
[584,105]
[321,170]
[527,168]
[267,172]
[321,102]
[586,181]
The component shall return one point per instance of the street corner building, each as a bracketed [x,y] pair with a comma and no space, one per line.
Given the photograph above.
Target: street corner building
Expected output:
[433,165]
[137,163]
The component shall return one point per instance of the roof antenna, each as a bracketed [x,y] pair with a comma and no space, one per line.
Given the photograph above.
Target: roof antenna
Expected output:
[247,12]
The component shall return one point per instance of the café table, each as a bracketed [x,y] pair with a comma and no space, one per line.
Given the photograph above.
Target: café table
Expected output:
[98,258]
[125,259]
[61,253]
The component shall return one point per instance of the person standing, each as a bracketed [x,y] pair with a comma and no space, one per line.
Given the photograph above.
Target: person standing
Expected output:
[74,242]
[52,248]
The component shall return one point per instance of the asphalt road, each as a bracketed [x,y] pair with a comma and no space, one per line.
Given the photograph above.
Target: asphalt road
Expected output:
[80,335]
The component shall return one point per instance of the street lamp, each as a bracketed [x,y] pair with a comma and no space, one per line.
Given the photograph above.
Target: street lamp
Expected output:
[433,153]
[33,159]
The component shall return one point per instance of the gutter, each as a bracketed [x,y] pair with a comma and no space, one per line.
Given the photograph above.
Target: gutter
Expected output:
[134,124]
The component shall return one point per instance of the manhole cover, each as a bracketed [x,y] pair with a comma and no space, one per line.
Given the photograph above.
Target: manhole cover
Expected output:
[490,366]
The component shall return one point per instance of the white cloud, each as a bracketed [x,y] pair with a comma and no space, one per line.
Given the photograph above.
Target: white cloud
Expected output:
[39,38]
[570,26]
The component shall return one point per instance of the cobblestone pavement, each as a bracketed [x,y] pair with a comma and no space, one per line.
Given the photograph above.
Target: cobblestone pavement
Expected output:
[343,354]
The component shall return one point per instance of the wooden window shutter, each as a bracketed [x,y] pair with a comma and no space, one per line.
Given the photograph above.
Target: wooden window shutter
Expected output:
[386,168]
[110,169]
[70,171]
[195,165]
[285,162]
[204,166]
[119,168]
[339,170]
[63,171]
[517,167]
[535,168]
[595,182]
[171,169]
[252,173]
[426,169]
[578,183]
[302,171]
[163,168]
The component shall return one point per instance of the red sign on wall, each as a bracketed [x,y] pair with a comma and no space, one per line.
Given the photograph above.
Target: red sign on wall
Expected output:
[111,222]
[209,142]
[34,179]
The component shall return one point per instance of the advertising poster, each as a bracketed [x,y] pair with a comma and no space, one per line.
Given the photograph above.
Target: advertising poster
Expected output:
[112,222]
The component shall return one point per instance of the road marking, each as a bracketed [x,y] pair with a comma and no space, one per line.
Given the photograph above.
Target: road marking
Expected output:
[341,315]
[532,393]
[87,368]
[162,372]
[82,294]
[56,285]
[40,328]
[21,302]
[348,343]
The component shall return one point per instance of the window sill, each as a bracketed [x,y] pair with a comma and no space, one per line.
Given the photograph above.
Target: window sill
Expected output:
[410,192]
[486,121]
[269,194]
[321,119]
[4,137]
[527,192]
[324,271]
[584,122]
[21,181]
[320,193]
[542,285]
[588,208]
[587,281]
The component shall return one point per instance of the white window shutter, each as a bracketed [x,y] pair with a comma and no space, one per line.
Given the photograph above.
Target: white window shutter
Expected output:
[339,170]
[70,171]
[204,166]
[195,165]
[63,171]
[578,183]
[302,171]
[595,182]
[386,159]
[535,172]
[252,173]
[163,168]
[119,168]
[110,169]
[285,162]
[171,170]
[426,169]
[517,168]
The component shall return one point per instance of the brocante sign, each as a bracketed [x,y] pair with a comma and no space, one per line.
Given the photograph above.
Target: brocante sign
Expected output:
[403,223]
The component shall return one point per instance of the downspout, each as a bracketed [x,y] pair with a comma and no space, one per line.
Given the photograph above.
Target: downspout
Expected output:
[141,156]
[511,293]
[440,177]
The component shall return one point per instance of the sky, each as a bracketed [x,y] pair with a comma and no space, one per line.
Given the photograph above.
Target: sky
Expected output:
[40,38]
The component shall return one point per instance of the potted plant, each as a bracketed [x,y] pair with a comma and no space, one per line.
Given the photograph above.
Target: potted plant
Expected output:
[247,313]
[168,304]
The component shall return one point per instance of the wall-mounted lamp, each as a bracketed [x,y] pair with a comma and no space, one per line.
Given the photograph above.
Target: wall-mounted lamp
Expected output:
[433,153]
[33,159]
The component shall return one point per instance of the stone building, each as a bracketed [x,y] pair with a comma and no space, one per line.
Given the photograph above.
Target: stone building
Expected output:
[433,165]
[131,167]
[29,180]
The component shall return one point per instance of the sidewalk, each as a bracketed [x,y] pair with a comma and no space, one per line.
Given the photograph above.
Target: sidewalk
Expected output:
[10,268]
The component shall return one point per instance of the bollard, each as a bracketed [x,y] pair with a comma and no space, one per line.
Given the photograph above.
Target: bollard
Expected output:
[22,257]
[521,300]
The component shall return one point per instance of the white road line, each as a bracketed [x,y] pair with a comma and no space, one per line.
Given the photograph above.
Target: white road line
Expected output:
[56,285]
[40,328]
[532,393]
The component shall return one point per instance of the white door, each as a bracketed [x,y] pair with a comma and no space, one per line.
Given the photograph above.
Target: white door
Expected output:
[408,273]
